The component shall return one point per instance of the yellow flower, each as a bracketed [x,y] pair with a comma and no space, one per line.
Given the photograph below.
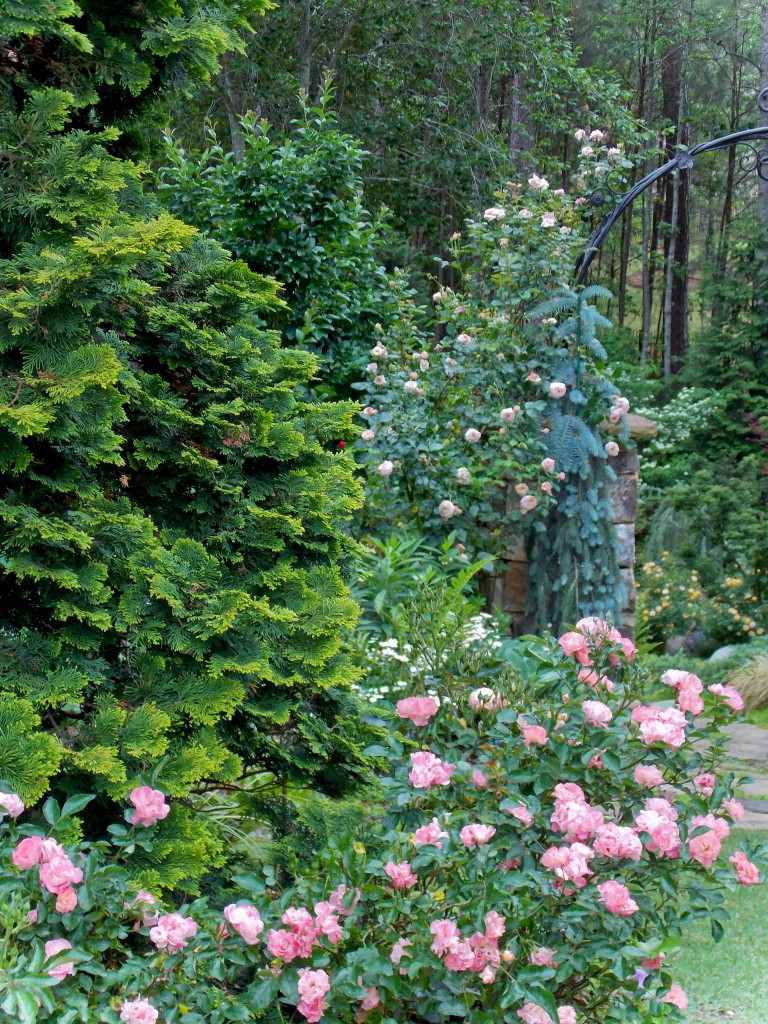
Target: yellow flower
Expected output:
[438,896]
[359,848]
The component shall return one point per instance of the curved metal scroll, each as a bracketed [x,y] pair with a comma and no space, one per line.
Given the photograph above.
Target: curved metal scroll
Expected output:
[755,160]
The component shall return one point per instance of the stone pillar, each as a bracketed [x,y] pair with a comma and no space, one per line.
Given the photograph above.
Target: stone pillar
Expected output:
[508,589]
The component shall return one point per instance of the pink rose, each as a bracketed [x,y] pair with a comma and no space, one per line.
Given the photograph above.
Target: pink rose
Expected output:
[597,713]
[418,709]
[313,986]
[611,449]
[705,848]
[150,806]
[52,948]
[705,783]
[533,377]
[569,863]
[677,997]
[479,779]
[732,696]
[371,999]
[427,770]
[566,1015]
[327,923]
[522,814]
[472,435]
[648,775]
[533,1014]
[618,841]
[534,734]
[542,956]
[549,221]
[445,936]
[719,826]
[746,872]
[616,898]
[66,901]
[429,835]
[557,389]
[401,874]
[486,699]
[172,931]
[508,415]
[282,944]
[337,897]
[11,804]
[548,465]
[138,1011]
[28,853]
[398,950]
[495,925]
[734,808]
[386,468]
[245,920]
[58,874]
[477,835]
[576,645]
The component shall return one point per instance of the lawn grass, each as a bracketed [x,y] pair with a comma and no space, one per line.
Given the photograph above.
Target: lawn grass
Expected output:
[728,981]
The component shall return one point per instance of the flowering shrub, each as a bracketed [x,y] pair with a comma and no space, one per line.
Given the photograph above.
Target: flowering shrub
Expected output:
[542,847]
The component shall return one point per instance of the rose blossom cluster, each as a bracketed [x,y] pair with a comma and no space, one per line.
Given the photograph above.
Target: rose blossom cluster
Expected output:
[533,1014]
[313,987]
[486,699]
[427,770]
[418,709]
[10,804]
[304,932]
[172,932]
[57,873]
[138,1011]
[660,725]
[572,815]
[245,920]
[589,635]
[658,819]
[150,806]
[480,953]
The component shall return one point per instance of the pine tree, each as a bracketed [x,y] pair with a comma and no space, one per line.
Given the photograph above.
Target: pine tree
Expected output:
[172,512]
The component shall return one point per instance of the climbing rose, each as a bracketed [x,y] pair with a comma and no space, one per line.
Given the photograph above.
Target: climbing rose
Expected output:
[524,214]
[533,1014]
[463,476]
[597,135]
[477,835]
[313,986]
[172,931]
[138,1011]
[597,713]
[587,151]
[428,770]
[479,779]
[54,947]
[28,853]
[472,435]
[543,957]
[665,726]
[580,135]
[522,814]
[429,835]
[11,804]
[538,184]
[676,996]
[150,806]
[368,435]
[245,920]
[534,734]
[548,465]
[616,898]
[385,468]
[528,502]
[746,872]
[648,775]
[508,414]
[569,863]
[619,841]
[418,709]
[734,808]
[401,874]
[557,389]
[446,509]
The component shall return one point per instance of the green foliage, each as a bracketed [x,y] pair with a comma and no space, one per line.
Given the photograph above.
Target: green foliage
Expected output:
[290,206]
[172,511]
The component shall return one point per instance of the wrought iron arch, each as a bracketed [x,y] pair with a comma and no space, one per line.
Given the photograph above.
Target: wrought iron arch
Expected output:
[754,160]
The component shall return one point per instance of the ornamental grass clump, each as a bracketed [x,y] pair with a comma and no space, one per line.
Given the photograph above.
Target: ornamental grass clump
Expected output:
[539,853]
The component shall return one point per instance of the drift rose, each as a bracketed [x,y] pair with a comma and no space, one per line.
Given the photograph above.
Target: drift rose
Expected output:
[401,874]
[172,932]
[616,898]
[10,804]
[150,806]
[418,709]
[138,1011]
[429,835]
[477,835]
[245,920]
[746,872]
[52,948]
[428,770]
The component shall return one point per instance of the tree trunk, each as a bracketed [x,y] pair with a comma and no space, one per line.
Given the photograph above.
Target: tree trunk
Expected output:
[762,187]
[304,65]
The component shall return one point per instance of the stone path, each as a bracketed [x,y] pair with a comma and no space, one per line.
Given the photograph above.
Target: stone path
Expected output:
[748,746]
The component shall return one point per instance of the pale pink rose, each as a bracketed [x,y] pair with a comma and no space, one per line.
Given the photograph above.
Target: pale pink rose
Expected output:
[52,948]
[538,184]
[385,468]
[418,709]
[463,476]
[543,956]
[11,804]
[546,487]
[568,791]
[566,1015]
[428,770]
[719,826]
[534,734]
[401,874]
[138,1011]
[746,872]
[446,509]
[533,1014]
[398,950]
[557,389]
[143,902]
[479,779]
[576,819]
[676,996]
[368,435]
[533,377]
[734,808]
[494,213]
[461,958]
[565,230]
[66,901]
[32,916]
[689,700]
[648,775]
[705,848]
[379,380]
[488,975]
[548,465]
[369,411]
[337,897]
[282,944]
[59,874]
[663,807]
[508,415]
[28,852]
[465,339]
[245,920]
[682,680]
[472,435]
[430,835]
[495,925]
[172,932]
[150,806]
[644,713]
[445,936]
[371,999]
[477,835]
[732,696]
[524,214]
[313,986]
[596,713]
[587,151]
[486,699]
[618,841]
[437,297]
[666,726]
[327,923]
[569,863]
[617,898]
[378,351]
[597,135]
[580,135]
[613,153]
[705,783]
[528,502]
[522,814]
[611,449]
[548,220]
[576,645]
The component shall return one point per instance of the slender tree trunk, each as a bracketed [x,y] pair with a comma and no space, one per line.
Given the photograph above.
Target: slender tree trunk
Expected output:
[514,136]
[762,187]
[232,105]
[304,65]
[649,234]
[727,211]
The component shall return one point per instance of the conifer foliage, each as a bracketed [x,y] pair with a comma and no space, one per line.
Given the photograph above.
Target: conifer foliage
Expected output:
[171,511]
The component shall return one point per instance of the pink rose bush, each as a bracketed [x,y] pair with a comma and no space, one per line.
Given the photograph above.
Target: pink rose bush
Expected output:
[541,895]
